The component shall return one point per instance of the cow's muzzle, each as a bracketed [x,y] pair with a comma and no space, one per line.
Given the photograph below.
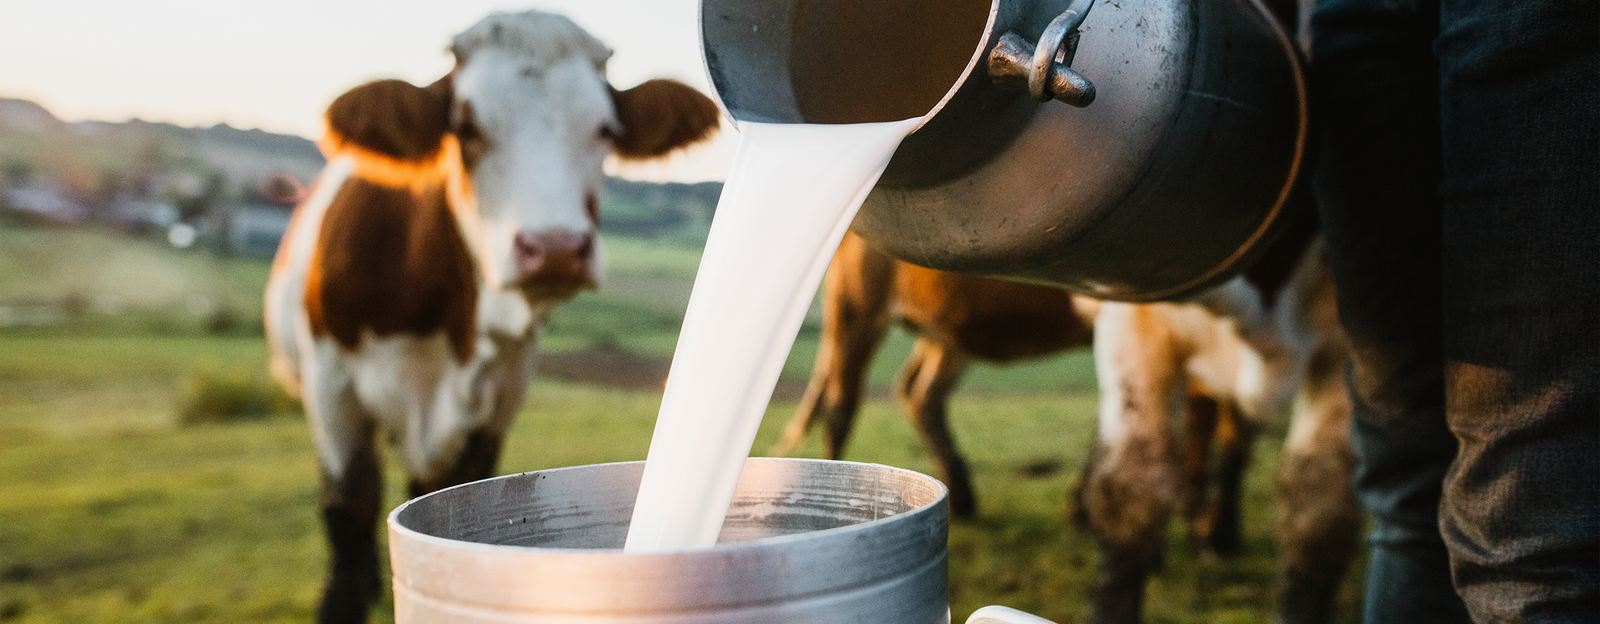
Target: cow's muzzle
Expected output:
[554,263]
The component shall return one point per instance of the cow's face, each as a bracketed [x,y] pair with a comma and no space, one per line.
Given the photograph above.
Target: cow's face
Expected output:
[532,119]
[533,140]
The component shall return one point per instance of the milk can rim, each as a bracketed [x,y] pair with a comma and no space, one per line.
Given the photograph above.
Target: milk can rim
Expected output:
[979,55]
[774,542]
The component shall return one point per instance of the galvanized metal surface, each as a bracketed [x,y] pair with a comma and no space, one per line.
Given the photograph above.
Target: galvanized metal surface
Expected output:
[1165,185]
[805,541]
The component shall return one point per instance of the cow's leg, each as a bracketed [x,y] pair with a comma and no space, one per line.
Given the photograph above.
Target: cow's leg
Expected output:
[1195,503]
[1132,484]
[1211,497]
[834,395]
[855,318]
[1318,520]
[351,504]
[848,380]
[811,407]
[1077,503]
[352,487]
[924,389]
[1235,438]
[479,456]
[822,394]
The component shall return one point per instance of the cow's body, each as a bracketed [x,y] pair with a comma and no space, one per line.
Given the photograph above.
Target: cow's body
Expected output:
[956,318]
[959,319]
[427,354]
[1177,380]
[1265,347]
[409,292]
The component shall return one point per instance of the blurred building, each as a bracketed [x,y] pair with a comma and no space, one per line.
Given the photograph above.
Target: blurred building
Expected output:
[44,201]
[255,225]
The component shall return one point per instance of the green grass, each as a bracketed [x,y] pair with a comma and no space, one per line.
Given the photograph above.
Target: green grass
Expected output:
[95,281]
[111,512]
[115,271]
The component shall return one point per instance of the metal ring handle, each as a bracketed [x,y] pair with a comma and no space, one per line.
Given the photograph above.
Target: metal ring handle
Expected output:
[1054,37]
[1043,69]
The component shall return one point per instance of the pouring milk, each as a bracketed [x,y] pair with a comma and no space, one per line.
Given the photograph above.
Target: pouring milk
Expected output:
[792,193]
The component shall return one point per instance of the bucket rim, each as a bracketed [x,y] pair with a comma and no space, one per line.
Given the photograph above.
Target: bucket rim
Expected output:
[398,529]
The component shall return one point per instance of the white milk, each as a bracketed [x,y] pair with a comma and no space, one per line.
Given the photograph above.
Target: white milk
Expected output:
[792,193]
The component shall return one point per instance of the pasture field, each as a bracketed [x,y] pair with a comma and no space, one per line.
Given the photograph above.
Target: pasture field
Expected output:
[113,511]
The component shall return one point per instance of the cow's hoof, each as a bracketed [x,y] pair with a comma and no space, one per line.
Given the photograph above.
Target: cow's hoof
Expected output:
[347,599]
[337,609]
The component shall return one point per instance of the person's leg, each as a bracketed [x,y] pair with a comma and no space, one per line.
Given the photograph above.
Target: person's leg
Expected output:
[1521,136]
[1375,97]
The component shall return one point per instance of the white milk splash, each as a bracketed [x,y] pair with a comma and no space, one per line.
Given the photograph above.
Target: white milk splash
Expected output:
[792,193]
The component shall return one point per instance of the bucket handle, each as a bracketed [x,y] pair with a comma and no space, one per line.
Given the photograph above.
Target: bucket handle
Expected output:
[1004,615]
[1044,70]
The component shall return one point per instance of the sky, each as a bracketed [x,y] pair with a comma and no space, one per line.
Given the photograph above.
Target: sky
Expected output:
[275,64]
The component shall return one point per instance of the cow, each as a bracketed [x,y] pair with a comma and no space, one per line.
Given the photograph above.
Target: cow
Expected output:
[411,289]
[958,319]
[1177,380]
[1263,344]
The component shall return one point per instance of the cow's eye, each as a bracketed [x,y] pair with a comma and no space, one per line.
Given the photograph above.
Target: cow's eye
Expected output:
[473,141]
[609,131]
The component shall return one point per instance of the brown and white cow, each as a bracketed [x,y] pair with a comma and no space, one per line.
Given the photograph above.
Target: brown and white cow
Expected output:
[1176,379]
[411,289]
[1265,344]
[959,319]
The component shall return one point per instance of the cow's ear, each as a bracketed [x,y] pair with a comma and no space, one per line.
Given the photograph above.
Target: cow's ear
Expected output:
[659,116]
[391,117]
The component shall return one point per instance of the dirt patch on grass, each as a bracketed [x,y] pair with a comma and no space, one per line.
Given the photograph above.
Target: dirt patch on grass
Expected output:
[619,368]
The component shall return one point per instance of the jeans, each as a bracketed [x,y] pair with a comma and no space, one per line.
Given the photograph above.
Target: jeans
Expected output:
[1459,179]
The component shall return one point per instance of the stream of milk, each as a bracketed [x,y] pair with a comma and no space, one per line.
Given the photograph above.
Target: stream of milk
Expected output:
[791,194]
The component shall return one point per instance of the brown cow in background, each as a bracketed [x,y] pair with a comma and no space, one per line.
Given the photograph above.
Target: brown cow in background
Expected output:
[1231,360]
[956,318]
[959,319]
[1266,343]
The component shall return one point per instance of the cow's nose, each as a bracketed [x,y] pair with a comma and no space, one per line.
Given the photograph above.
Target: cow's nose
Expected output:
[554,258]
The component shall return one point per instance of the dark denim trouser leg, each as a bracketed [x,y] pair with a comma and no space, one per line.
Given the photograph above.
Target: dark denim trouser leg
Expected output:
[1521,189]
[1375,96]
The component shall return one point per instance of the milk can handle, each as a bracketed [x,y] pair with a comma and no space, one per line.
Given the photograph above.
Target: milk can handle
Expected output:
[1045,69]
[1004,615]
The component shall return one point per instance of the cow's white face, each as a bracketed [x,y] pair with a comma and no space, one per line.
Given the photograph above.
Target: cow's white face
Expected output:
[533,141]
[529,108]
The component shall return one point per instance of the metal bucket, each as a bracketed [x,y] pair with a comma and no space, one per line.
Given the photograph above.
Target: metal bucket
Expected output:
[1127,149]
[805,541]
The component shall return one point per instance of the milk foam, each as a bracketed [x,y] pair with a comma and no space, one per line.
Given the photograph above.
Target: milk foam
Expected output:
[791,194]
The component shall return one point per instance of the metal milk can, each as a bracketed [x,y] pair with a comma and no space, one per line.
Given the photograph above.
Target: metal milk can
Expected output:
[1133,150]
[805,541]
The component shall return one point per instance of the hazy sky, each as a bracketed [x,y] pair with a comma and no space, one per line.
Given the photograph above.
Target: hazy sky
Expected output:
[275,64]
